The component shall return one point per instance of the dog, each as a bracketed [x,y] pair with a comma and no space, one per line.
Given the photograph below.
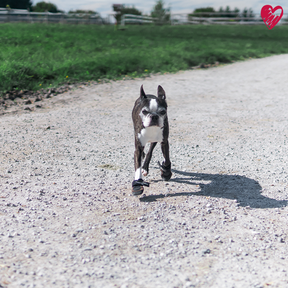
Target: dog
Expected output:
[151,125]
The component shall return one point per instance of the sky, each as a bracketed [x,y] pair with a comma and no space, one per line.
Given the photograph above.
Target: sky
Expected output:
[104,7]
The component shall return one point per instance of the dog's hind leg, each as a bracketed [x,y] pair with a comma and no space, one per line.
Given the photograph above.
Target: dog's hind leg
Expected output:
[165,167]
[145,167]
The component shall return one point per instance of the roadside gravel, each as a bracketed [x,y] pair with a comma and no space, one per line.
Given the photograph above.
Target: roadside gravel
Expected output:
[67,217]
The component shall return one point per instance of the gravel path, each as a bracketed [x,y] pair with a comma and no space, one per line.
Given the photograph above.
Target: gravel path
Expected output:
[67,217]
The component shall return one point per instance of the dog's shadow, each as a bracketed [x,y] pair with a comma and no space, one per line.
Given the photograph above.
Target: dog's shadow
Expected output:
[246,191]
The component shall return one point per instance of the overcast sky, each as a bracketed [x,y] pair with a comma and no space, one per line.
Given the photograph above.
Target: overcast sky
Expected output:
[104,7]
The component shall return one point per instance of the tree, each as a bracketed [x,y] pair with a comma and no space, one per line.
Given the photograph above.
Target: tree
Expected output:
[85,14]
[160,13]
[248,13]
[44,6]
[16,4]
[121,9]
[236,12]
[230,13]
[82,12]
[201,12]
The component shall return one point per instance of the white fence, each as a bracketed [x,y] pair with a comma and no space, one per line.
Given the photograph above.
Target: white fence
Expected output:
[177,19]
[214,18]
[18,15]
[130,18]
[21,15]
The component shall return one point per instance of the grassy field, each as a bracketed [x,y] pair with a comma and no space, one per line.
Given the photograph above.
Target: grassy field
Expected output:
[34,56]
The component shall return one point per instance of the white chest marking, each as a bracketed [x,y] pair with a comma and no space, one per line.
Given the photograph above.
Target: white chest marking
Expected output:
[153,105]
[150,134]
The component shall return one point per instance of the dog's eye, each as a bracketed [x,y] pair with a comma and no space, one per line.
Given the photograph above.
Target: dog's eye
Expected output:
[163,112]
[145,112]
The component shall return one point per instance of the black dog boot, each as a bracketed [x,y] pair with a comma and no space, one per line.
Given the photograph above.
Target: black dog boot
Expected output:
[137,186]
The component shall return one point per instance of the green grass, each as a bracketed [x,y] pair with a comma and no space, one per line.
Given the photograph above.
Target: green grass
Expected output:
[34,56]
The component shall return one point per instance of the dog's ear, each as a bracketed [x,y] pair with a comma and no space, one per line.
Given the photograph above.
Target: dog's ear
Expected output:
[142,93]
[161,93]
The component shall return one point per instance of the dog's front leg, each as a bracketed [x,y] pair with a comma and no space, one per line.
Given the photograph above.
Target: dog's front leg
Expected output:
[137,160]
[165,167]
[138,183]
[145,167]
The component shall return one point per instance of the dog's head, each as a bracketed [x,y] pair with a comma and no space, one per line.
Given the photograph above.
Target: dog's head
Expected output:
[153,109]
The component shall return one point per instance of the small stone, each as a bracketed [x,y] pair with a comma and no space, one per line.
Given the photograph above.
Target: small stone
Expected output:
[189,284]
[27,102]
[207,251]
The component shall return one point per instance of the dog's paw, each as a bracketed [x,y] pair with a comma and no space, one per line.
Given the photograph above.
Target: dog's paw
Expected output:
[137,186]
[165,171]
[144,172]
[166,175]
[137,190]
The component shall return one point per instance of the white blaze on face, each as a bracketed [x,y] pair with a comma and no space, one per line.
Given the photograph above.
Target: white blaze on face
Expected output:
[153,108]
[146,120]
[153,105]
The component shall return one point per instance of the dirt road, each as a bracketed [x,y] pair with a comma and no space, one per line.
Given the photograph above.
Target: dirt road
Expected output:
[67,217]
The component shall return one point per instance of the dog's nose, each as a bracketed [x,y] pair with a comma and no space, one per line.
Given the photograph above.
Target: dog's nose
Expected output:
[155,117]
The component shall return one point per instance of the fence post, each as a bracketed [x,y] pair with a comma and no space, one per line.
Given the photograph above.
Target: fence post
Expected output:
[123,20]
[8,15]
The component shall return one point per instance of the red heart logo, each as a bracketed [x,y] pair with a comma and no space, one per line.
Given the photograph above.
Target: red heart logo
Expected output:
[269,17]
